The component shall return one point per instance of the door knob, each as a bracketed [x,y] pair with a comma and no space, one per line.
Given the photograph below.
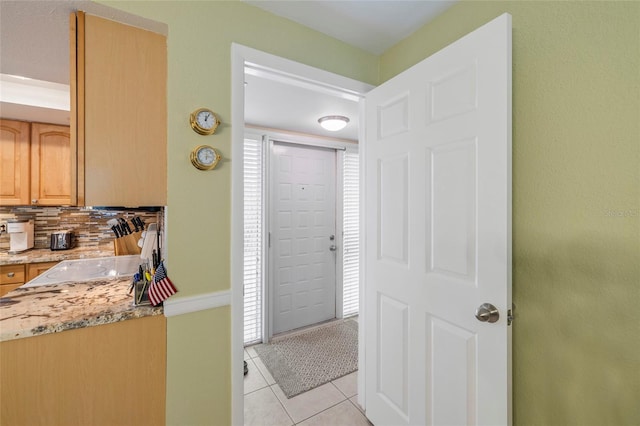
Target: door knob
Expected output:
[332,247]
[487,313]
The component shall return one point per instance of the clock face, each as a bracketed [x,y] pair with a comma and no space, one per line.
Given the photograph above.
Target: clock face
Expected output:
[205,119]
[206,156]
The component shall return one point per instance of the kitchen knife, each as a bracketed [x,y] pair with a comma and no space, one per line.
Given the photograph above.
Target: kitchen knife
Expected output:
[124,226]
[115,227]
[140,222]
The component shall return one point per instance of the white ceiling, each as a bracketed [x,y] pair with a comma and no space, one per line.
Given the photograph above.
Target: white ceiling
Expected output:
[34,43]
[372,25]
[278,105]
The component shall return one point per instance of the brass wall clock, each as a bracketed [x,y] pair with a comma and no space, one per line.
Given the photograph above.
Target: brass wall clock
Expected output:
[205,157]
[204,121]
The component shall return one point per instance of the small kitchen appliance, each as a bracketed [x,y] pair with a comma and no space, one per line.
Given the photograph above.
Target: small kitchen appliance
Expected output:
[61,240]
[20,235]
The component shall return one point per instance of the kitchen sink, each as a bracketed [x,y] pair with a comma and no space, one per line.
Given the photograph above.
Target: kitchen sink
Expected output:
[88,269]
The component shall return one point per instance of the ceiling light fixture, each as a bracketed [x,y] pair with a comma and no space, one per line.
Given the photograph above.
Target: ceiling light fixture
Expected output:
[333,123]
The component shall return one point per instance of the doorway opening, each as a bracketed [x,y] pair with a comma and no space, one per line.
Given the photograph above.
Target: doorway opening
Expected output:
[301,247]
[297,75]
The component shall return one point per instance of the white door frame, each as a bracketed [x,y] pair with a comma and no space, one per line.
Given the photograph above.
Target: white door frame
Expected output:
[294,73]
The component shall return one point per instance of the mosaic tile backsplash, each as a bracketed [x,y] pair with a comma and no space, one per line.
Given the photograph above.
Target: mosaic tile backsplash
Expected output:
[88,224]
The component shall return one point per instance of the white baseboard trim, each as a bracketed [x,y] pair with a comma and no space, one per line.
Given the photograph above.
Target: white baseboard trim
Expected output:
[185,305]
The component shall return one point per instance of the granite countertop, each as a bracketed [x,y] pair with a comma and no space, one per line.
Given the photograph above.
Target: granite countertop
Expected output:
[47,255]
[34,311]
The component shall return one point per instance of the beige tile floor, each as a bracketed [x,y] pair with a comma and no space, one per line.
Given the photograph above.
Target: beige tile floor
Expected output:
[333,403]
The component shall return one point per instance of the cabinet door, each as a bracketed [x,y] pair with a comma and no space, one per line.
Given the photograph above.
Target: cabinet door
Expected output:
[35,269]
[11,277]
[121,123]
[110,374]
[50,165]
[14,158]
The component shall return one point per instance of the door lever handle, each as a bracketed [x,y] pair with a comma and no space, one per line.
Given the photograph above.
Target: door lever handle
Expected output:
[332,247]
[487,313]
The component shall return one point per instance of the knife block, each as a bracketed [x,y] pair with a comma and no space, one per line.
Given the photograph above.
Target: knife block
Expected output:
[127,244]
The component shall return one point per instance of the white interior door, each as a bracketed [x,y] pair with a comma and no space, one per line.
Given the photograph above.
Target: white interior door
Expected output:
[438,229]
[303,223]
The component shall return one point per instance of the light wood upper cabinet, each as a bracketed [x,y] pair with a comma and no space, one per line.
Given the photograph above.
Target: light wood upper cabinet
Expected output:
[119,132]
[14,159]
[50,165]
[36,164]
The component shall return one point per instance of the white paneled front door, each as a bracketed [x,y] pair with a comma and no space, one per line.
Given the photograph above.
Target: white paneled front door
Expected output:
[438,237]
[303,223]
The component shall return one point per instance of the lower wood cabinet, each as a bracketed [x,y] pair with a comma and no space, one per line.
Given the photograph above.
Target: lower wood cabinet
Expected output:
[112,374]
[35,269]
[13,276]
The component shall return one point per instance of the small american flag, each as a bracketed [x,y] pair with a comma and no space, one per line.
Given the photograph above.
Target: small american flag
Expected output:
[161,286]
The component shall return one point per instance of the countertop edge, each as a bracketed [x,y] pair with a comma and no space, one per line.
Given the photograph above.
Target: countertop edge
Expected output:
[102,319]
[54,308]
[40,255]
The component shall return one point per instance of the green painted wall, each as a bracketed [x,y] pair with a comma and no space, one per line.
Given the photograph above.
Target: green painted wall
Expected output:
[576,201]
[198,360]
[576,163]
[199,203]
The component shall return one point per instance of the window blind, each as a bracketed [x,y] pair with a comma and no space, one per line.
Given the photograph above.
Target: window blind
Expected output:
[351,224]
[253,195]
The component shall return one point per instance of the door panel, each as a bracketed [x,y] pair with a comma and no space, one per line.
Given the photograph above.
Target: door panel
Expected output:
[393,353]
[303,219]
[392,117]
[452,366]
[452,94]
[437,217]
[452,209]
[394,210]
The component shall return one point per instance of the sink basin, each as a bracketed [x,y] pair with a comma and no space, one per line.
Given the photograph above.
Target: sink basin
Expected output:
[88,269]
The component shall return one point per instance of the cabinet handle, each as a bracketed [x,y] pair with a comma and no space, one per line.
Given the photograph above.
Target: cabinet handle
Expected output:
[34,201]
[11,274]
